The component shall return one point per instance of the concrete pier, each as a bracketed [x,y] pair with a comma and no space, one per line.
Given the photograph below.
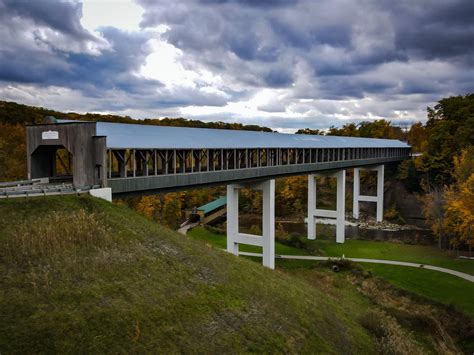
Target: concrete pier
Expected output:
[378,199]
[267,239]
[338,215]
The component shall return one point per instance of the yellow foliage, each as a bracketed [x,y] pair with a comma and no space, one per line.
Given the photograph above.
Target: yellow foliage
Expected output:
[459,219]
[459,216]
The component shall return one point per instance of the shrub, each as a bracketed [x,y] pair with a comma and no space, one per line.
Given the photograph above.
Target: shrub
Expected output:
[342,264]
[389,335]
[255,229]
[393,215]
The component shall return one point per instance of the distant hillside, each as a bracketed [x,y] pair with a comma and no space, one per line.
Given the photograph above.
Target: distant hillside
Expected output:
[85,276]
[14,113]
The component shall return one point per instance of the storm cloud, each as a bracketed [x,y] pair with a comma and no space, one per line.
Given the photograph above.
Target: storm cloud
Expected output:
[286,63]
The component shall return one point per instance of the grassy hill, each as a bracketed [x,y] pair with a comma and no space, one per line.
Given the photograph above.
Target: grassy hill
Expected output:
[85,276]
[443,288]
[82,275]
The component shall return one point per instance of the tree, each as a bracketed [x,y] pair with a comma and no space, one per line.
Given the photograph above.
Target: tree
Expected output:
[12,152]
[380,129]
[309,131]
[348,130]
[417,136]
[434,211]
[459,218]
[449,129]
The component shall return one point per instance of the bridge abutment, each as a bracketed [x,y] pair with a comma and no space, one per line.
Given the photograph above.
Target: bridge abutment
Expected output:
[337,216]
[267,239]
[378,199]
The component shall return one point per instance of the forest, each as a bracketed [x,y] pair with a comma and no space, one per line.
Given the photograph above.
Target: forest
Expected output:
[441,175]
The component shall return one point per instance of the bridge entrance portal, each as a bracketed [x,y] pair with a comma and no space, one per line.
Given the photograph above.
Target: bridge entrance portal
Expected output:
[52,161]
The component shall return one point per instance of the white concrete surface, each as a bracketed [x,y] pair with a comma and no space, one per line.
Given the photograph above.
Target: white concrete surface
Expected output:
[103,193]
[267,239]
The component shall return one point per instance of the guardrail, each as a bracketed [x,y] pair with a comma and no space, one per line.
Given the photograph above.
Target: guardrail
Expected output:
[24,182]
[43,190]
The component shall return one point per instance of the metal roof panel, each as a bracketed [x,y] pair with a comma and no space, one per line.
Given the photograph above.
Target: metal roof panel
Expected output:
[125,136]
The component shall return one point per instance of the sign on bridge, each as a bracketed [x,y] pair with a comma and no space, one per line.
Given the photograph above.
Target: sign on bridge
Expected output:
[50,135]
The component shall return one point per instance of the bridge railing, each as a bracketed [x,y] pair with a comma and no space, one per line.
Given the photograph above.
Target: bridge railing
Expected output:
[122,163]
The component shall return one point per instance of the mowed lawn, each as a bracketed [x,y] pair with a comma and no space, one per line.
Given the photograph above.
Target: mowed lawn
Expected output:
[394,251]
[434,285]
[437,286]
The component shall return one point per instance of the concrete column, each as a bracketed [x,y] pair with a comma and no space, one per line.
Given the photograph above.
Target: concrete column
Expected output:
[340,205]
[337,217]
[268,242]
[232,218]
[267,239]
[378,199]
[356,193]
[311,206]
[380,182]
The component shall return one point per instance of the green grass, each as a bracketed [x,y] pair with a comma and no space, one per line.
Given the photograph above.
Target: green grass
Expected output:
[434,285]
[431,284]
[394,251]
[146,288]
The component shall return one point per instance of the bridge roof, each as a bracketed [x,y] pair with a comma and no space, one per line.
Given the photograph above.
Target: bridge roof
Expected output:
[124,136]
[213,205]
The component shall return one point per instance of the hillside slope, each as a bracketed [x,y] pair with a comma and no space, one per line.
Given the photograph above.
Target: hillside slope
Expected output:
[83,275]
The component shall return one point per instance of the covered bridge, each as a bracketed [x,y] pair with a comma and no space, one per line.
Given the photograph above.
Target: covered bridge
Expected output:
[134,159]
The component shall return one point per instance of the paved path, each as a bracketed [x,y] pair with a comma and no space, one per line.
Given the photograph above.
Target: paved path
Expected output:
[184,229]
[374,261]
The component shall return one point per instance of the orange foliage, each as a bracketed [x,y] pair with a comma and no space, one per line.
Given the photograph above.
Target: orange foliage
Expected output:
[12,152]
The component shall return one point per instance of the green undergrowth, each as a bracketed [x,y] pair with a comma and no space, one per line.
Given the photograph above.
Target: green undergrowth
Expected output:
[85,276]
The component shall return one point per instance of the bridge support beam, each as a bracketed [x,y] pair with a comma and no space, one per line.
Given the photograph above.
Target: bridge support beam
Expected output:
[378,199]
[267,239]
[338,215]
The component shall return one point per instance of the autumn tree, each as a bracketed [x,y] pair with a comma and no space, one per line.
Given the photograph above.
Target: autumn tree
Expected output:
[417,136]
[450,128]
[434,209]
[12,152]
[459,217]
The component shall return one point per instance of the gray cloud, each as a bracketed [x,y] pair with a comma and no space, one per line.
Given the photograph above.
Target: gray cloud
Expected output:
[392,58]
[337,39]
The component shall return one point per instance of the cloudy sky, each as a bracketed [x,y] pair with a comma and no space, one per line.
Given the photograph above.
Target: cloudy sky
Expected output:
[285,64]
